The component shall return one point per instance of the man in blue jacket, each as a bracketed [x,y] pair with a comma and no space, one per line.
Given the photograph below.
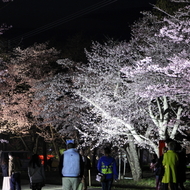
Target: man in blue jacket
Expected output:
[71,165]
[107,166]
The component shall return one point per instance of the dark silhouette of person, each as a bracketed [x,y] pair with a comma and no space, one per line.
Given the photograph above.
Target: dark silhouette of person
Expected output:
[181,169]
[160,169]
[87,167]
[36,173]
[4,164]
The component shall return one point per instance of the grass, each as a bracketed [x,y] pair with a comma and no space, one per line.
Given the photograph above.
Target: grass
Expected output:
[147,183]
[144,184]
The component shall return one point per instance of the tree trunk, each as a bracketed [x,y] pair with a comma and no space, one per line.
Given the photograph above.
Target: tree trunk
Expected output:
[35,147]
[54,144]
[134,161]
[56,150]
[24,143]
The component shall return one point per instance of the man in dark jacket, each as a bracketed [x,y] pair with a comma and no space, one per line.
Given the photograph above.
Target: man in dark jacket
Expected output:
[87,167]
[107,166]
[71,165]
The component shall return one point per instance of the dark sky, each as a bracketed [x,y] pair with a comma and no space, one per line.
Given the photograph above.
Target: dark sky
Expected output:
[44,18]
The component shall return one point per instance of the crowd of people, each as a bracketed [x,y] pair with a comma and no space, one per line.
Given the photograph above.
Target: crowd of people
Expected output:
[170,167]
[11,172]
[74,168]
[74,165]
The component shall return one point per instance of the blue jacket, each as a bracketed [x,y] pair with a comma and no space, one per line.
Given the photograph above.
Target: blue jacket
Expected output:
[71,163]
[107,165]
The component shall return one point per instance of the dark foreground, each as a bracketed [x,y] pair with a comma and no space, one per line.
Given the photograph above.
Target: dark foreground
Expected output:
[54,182]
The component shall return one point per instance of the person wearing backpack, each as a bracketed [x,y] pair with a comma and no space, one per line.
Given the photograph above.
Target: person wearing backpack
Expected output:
[36,173]
[107,166]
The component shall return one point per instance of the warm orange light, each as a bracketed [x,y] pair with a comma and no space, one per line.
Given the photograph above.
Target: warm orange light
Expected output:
[48,157]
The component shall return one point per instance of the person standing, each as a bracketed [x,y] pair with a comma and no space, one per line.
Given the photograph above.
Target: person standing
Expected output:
[154,166]
[181,171]
[14,169]
[36,173]
[71,168]
[87,166]
[4,164]
[107,166]
[170,163]
[160,169]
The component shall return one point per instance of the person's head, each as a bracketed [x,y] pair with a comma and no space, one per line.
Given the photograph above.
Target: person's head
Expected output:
[171,145]
[10,155]
[107,151]
[35,160]
[70,145]
[35,157]
[167,141]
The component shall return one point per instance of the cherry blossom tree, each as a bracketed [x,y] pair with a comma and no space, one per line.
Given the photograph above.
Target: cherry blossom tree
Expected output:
[56,106]
[20,72]
[149,101]
[168,79]
[101,87]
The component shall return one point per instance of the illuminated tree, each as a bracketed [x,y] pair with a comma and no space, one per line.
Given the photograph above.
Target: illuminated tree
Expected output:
[169,6]
[19,74]
[101,87]
[150,101]
[56,107]
[165,81]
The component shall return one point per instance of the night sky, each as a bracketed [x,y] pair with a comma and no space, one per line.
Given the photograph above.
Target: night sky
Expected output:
[41,19]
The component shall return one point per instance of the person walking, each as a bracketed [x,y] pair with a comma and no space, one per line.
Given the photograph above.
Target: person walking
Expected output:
[14,169]
[36,173]
[71,168]
[170,163]
[107,166]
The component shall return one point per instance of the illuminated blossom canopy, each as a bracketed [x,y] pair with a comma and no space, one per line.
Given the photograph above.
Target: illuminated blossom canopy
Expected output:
[137,99]
[17,81]
[172,75]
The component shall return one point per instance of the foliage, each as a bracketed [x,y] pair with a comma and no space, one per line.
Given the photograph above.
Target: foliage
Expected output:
[164,7]
[57,107]
[158,70]
[150,100]
[19,73]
